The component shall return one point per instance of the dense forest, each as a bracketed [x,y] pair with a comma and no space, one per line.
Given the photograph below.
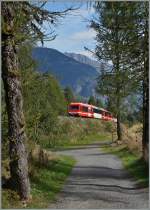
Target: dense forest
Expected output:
[34,104]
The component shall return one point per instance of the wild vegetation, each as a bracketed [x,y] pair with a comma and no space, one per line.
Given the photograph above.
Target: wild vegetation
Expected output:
[132,162]
[34,106]
[44,102]
[21,22]
[122,38]
[47,178]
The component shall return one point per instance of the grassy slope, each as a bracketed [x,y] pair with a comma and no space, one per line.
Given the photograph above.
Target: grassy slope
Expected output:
[133,163]
[46,182]
[92,138]
[78,131]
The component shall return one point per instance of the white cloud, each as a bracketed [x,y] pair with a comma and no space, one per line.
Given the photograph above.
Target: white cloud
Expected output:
[73,33]
[84,35]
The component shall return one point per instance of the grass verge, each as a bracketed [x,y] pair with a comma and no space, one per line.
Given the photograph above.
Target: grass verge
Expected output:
[83,141]
[133,163]
[46,182]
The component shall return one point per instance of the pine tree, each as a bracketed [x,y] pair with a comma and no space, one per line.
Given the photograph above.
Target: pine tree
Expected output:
[21,21]
[92,100]
[99,103]
[68,95]
[111,46]
[140,53]
[122,37]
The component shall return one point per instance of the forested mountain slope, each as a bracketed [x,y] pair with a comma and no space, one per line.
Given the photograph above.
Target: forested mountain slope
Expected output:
[70,72]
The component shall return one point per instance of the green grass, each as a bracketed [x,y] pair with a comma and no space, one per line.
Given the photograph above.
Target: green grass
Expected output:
[85,140]
[46,182]
[133,163]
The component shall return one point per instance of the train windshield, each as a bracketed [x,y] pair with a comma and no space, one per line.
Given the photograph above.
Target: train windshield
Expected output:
[74,107]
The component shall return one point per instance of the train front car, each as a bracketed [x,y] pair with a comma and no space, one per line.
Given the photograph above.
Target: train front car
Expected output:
[80,110]
[74,109]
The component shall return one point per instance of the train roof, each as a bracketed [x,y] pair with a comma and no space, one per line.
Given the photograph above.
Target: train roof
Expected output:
[80,103]
[100,108]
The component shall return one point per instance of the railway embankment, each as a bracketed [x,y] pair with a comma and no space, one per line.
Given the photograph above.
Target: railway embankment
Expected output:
[77,131]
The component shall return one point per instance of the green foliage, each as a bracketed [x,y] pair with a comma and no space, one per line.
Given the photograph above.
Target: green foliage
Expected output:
[46,182]
[69,97]
[133,163]
[99,103]
[78,131]
[122,38]
[95,101]
[112,45]
[43,102]
[28,20]
[92,100]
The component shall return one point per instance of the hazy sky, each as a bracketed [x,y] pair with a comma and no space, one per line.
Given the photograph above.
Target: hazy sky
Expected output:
[73,33]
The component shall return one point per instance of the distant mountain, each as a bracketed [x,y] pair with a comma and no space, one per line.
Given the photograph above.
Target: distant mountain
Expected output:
[79,76]
[86,60]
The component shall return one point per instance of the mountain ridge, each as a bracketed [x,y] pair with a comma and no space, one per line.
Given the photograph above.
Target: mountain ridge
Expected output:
[70,72]
[84,59]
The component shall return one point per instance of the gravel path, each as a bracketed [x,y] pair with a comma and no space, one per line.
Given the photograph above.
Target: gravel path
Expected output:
[99,181]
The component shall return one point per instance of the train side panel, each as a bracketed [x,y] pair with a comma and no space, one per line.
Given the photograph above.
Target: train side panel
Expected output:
[90,111]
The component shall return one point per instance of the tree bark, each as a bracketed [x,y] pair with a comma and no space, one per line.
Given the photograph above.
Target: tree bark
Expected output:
[119,132]
[14,104]
[145,139]
[117,66]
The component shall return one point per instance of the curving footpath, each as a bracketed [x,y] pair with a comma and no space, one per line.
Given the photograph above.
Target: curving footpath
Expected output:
[99,181]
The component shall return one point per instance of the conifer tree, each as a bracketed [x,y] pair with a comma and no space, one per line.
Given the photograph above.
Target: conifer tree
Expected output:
[139,58]
[111,46]
[21,21]
[99,103]
[68,95]
[92,100]
[122,37]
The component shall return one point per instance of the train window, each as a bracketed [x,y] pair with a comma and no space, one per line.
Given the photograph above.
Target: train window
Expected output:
[107,114]
[84,109]
[98,111]
[74,107]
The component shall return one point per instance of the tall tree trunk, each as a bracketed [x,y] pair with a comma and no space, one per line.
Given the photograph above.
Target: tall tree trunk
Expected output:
[119,132]
[117,66]
[145,139]
[14,104]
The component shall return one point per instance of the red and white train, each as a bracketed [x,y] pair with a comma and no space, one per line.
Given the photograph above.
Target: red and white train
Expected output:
[87,110]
